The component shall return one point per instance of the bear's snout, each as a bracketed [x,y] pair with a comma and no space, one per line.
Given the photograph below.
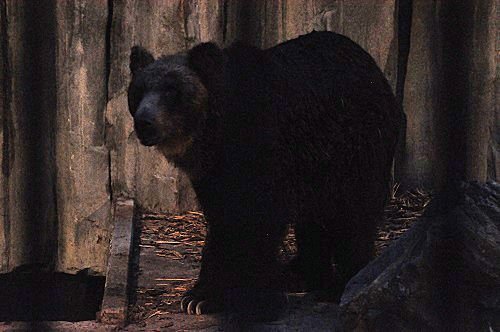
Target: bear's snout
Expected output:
[145,126]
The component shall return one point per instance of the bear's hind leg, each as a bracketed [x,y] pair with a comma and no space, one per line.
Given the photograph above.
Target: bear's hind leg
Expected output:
[353,249]
[313,261]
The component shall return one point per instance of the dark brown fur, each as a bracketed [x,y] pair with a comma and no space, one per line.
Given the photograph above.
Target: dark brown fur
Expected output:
[300,133]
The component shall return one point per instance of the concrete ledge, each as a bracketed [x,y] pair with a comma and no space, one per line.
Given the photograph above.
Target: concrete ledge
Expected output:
[115,300]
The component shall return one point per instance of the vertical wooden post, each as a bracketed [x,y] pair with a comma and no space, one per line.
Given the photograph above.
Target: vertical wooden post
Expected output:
[27,220]
[83,196]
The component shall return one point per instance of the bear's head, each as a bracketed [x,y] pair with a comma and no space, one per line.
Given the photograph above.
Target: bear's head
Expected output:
[169,97]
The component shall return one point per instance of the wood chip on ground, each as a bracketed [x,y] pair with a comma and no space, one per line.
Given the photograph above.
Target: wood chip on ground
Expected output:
[167,234]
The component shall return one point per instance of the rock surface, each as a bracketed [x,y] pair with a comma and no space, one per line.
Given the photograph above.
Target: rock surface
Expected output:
[443,274]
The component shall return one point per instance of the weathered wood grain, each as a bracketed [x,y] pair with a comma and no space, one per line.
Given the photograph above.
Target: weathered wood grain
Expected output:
[115,301]
[494,128]
[4,91]
[449,96]
[83,197]
[480,107]
[67,140]
[27,220]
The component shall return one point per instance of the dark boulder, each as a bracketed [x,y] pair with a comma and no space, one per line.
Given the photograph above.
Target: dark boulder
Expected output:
[443,274]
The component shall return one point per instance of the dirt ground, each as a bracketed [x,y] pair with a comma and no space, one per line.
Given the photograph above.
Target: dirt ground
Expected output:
[168,249]
[167,254]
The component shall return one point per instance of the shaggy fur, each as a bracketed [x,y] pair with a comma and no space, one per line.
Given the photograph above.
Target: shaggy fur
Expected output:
[300,133]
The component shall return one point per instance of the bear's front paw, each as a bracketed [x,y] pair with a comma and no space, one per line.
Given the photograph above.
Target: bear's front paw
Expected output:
[197,304]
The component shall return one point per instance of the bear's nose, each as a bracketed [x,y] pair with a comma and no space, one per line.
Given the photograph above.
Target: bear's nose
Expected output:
[145,127]
[144,118]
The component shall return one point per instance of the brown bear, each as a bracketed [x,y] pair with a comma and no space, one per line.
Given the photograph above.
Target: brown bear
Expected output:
[301,133]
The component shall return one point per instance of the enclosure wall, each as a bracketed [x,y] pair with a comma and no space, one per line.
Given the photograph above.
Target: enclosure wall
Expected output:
[68,147]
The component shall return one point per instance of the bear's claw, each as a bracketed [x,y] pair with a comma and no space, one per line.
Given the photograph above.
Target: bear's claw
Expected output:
[193,306]
[185,303]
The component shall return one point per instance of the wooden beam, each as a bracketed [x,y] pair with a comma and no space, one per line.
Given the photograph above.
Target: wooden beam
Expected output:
[115,300]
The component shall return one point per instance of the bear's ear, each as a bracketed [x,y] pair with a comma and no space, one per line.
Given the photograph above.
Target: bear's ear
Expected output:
[139,58]
[207,60]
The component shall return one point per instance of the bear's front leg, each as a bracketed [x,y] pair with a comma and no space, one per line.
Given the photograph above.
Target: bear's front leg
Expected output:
[240,272]
[207,294]
[256,291]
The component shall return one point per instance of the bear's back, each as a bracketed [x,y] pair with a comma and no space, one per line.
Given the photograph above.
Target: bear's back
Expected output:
[337,115]
[332,68]
[325,86]
[315,106]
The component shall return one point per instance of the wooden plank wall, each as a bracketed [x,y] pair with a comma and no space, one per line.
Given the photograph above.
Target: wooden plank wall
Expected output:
[82,157]
[28,228]
[67,141]
[450,87]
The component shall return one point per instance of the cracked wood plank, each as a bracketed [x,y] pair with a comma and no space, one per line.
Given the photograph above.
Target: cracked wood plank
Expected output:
[115,300]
